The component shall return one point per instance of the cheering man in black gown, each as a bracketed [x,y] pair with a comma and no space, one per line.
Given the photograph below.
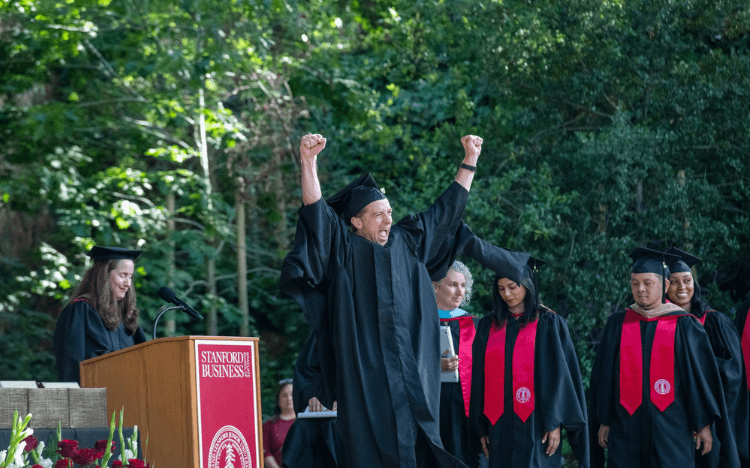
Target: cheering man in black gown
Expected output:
[369,296]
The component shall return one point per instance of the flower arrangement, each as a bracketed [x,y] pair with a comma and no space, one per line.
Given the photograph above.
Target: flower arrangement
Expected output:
[23,444]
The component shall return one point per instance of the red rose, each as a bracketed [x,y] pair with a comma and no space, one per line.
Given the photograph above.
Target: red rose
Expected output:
[101,446]
[67,448]
[117,464]
[64,463]
[37,466]
[136,463]
[31,443]
[85,456]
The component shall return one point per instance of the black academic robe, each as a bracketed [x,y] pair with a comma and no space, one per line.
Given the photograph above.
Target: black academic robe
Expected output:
[374,309]
[742,416]
[80,334]
[455,430]
[651,438]
[725,343]
[311,442]
[559,398]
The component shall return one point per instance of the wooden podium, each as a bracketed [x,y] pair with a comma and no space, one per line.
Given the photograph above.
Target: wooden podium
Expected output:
[195,399]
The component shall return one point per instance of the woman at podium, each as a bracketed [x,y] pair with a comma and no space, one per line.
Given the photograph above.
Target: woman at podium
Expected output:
[102,316]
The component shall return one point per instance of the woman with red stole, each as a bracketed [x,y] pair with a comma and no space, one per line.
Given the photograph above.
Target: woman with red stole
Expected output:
[526,383]
[685,292]
[452,292]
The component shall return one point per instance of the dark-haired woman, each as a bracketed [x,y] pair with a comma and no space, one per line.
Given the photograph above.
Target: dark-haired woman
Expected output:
[725,343]
[277,427]
[526,383]
[102,316]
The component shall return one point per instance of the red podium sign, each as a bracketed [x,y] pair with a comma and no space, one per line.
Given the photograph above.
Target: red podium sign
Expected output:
[228,432]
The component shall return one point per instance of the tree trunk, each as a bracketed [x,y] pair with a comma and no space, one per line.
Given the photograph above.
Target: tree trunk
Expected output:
[242,262]
[212,326]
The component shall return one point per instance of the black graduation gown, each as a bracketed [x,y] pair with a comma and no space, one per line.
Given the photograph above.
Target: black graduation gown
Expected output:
[80,334]
[559,397]
[725,343]
[311,442]
[651,438]
[374,309]
[455,430]
[742,416]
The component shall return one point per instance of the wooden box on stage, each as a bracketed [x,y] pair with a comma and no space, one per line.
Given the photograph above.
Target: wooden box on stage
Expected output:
[195,399]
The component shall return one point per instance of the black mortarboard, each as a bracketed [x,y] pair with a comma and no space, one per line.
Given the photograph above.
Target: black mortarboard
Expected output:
[512,264]
[103,254]
[350,200]
[684,263]
[647,260]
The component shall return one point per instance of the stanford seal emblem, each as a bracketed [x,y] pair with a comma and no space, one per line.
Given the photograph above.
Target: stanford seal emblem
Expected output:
[229,449]
[662,386]
[523,395]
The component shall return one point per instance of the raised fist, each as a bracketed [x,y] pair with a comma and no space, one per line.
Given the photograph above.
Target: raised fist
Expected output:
[311,145]
[472,145]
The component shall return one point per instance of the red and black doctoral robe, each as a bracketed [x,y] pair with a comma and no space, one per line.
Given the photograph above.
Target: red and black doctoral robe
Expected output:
[651,437]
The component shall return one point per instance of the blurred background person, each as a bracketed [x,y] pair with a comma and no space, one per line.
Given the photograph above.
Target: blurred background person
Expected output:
[102,316]
[277,427]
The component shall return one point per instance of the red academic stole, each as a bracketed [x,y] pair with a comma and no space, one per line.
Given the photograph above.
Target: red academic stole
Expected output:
[702,320]
[746,347]
[661,376]
[467,332]
[522,370]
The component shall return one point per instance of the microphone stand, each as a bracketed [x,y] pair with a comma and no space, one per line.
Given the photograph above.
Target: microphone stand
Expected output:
[160,314]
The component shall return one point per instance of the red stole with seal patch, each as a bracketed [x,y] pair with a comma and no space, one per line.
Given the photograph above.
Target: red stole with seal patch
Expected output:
[467,332]
[522,371]
[661,378]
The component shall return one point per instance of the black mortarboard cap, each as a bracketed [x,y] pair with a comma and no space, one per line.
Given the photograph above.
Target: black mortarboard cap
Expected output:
[103,254]
[684,263]
[512,264]
[350,200]
[647,260]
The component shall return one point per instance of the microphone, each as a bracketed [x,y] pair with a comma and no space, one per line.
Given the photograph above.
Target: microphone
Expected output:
[169,296]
